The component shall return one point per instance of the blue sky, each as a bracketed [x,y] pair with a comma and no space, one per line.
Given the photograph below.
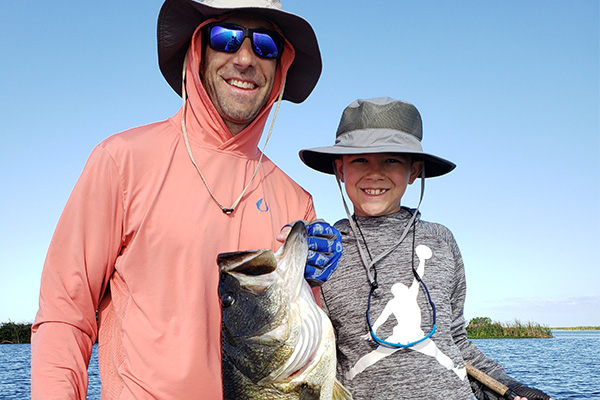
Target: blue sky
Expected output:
[509,91]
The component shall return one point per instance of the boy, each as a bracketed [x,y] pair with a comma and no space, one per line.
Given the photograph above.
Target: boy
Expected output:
[395,264]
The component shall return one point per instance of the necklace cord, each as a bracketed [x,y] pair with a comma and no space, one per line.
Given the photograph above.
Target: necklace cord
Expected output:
[392,345]
[372,277]
[189,149]
[355,229]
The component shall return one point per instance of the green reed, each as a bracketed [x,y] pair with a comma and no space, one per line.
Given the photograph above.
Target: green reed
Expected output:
[485,328]
[11,332]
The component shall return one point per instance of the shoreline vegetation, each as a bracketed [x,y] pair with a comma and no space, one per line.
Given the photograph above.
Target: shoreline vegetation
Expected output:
[484,328]
[577,328]
[15,333]
[478,328]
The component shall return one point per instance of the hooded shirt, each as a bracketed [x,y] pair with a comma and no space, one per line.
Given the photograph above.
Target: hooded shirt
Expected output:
[138,241]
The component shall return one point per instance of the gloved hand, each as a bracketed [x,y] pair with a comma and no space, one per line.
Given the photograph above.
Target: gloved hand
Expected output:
[324,252]
[529,393]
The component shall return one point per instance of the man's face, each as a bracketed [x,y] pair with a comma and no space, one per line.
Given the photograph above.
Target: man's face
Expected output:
[376,182]
[238,84]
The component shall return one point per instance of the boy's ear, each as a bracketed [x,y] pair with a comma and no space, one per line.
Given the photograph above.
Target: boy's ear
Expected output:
[415,172]
[338,166]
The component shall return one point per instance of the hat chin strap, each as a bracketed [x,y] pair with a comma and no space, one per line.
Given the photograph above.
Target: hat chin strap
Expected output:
[355,230]
[189,149]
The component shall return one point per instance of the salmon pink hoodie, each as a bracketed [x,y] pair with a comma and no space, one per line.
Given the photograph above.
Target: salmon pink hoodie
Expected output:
[138,241]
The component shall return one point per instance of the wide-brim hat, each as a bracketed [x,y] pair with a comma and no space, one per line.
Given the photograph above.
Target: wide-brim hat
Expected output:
[378,125]
[178,19]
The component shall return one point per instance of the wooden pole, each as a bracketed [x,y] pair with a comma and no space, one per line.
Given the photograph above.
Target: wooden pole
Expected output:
[490,382]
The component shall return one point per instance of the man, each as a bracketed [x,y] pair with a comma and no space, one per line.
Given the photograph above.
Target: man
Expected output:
[139,236]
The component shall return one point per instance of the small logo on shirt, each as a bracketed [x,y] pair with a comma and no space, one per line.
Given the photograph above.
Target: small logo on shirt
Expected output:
[262,205]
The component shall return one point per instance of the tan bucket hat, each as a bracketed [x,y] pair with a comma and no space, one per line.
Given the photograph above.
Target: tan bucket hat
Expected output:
[378,125]
[178,19]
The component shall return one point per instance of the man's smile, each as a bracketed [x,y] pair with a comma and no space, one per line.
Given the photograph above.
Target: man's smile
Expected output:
[241,84]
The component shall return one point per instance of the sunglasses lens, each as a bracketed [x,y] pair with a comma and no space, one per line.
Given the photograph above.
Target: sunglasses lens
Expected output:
[226,39]
[265,45]
[229,38]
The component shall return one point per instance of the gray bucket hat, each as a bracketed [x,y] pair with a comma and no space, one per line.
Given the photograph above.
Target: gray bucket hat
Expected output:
[178,19]
[378,125]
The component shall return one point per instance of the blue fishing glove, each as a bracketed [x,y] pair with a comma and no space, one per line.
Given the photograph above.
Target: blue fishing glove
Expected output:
[324,252]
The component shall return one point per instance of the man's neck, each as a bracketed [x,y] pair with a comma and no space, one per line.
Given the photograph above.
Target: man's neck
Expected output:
[235,128]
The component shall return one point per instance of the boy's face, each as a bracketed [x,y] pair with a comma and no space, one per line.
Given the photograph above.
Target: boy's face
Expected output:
[375,182]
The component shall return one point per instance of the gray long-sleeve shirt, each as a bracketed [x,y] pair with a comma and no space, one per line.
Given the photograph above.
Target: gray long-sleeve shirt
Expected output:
[401,313]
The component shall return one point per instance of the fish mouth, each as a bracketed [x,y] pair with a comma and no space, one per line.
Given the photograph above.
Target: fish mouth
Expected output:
[264,261]
[252,263]
[297,236]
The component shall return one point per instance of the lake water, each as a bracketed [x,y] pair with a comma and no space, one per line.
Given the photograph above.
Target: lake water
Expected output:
[566,367]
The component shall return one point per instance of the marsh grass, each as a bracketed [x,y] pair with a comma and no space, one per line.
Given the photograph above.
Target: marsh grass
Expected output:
[11,332]
[484,328]
[579,328]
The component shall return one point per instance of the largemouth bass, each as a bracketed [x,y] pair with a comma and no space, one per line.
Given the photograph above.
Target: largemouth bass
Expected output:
[277,342]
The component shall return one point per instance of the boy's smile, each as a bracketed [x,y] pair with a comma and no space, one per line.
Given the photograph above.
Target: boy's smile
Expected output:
[375,192]
[376,182]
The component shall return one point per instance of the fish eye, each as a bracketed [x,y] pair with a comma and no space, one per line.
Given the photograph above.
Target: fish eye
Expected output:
[227,300]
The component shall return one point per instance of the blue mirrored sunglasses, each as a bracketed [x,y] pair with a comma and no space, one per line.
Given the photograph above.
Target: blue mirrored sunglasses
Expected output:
[229,38]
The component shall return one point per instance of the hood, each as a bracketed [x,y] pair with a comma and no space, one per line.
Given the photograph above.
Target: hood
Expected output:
[204,125]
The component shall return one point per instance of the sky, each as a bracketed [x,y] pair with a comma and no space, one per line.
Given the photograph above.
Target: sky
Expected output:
[508,90]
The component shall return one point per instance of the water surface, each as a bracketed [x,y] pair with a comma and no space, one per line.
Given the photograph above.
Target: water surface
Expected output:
[566,366]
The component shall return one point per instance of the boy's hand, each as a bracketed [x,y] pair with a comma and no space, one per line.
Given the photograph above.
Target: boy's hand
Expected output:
[526,393]
[324,250]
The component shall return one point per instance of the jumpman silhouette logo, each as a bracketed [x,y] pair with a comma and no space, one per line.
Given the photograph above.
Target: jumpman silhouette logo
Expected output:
[407,313]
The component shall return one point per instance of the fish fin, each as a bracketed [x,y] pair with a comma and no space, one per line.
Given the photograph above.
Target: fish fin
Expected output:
[340,392]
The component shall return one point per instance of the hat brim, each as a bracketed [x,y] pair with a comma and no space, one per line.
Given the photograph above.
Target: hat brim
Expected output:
[321,158]
[178,19]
